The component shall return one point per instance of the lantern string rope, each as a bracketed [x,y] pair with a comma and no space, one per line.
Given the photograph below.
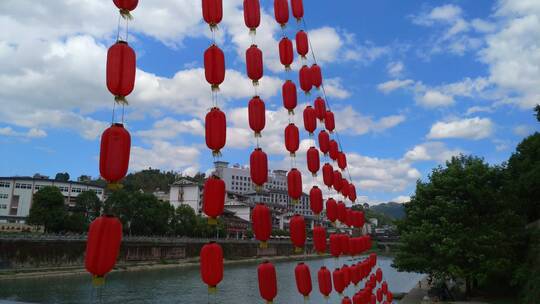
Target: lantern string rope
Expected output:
[326,97]
[113,110]
[118,29]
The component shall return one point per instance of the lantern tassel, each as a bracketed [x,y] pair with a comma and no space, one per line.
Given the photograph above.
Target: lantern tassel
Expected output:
[255,83]
[298,249]
[212,290]
[121,100]
[258,135]
[291,112]
[263,245]
[258,188]
[214,27]
[215,88]
[216,153]
[98,281]
[114,186]
[253,31]
[314,174]
[293,154]
[212,221]
[288,68]
[126,14]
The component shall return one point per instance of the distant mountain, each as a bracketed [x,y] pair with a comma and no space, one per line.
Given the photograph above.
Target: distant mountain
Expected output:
[391,209]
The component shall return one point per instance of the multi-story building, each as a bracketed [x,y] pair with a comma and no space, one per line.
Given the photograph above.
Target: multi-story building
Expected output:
[17,193]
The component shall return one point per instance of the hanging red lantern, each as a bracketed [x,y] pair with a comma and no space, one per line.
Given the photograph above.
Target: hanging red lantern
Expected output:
[316,77]
[305,79]
[378,275]
[297,227]
[325,281]
[379,295]
[319,239]
[320,108]
[262,224]
[125,7]
[342,161]
[333,150]
[302,276]
[212,12]
[211,265]
[341,212]
[361,219]
[389,296]
[328,175]
[294,185]
[345,188]
[373,299]
[355,275]
[313,161]
[286,55]
[384,287]
[281,12]
[252,14]
[254,64]
[352,192]
[331,210]
[316,200]
[266,273]
[214,66]
[290,97]
[102,247]
[346,275]
[213,198]
[324,142]
[302,44]
[344,243]
[346,300]
[257,115]
[373,259]
[329,122]
[357,298]
[258,168]
[121,69]
[350,217]
[339,281]
[335,245]
[297,9]
[292,139]
[310,120]
[338,180]
[114,154]
[216,130]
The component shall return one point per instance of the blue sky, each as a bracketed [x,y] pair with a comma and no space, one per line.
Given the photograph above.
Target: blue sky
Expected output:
[412,83]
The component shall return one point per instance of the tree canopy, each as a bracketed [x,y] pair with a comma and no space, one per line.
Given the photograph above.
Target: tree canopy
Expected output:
[64,177]
[48,209]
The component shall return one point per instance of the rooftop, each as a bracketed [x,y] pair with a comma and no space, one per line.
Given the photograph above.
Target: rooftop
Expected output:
[29,178]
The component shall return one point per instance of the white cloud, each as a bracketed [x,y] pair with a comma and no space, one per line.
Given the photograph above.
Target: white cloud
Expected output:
[433,98]
[522,130]
[165,156]
[169,128]
[431,151]
[32,133]
[402,199]
[395,68]
[472,128]
[393,85]
[478,109]
[334,88]
[353,122]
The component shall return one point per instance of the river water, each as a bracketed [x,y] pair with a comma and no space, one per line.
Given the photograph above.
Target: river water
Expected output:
[183,285]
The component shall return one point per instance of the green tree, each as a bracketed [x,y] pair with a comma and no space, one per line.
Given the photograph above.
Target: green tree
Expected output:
[89,205]
[537,110]
[48,209]
[149,180]
[64,177]
[184,221]
[458,226]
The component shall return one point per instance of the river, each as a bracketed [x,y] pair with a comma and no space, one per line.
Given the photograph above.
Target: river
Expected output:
[183,285]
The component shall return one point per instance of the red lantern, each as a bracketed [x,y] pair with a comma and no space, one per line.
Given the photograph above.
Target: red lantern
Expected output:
[303,279]
[316,200]
[281,12]
[329,121]
[216,130]
[297,9]
[320,108]
[294,185]
[342,161]
[319,239]
[302,44]
[102,247]
[373,299]
[266,273]
[212,265]
[214,66]
[333,150]
[338,180]
[125,7]
[297,227]
[346,275]
[213,198]
[378,275]
[335,245]
[331,210]
[328,175]
[316,77]
[355,274]
[352,192]
[257,115]
[212,12]
[379,295]
[344,243]
[325,281]
[346,300]
[286,55]
[292,139]
[339,280]
[121,67]
[324,141]
[341,212]
[384,287]
[262,224]
[350,217]
[114,153]
[252,14]
[373,259]
[305,79]
[345,188]
[313,161]
[254,64]
[389,297]
[290,97]
[310,120]
[357,298]
[258,167]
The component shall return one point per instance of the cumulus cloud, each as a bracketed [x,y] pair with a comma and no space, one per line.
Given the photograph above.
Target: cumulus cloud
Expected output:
[393,85]
[402,199]
[434,98]
[471,128]
[353,122]
[32,133]
[431,151]
[165,156]
[395,68]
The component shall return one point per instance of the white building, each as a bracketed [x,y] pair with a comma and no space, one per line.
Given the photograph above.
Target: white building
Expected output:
[17,193]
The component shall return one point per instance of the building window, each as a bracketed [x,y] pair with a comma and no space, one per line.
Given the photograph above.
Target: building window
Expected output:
[3,195]
[23,186]
[99,191]
[5,184]
[3,206]
[76,190]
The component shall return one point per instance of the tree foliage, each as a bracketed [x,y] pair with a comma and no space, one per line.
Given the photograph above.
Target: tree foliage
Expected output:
[537,111]
[64,177]
[48,209]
